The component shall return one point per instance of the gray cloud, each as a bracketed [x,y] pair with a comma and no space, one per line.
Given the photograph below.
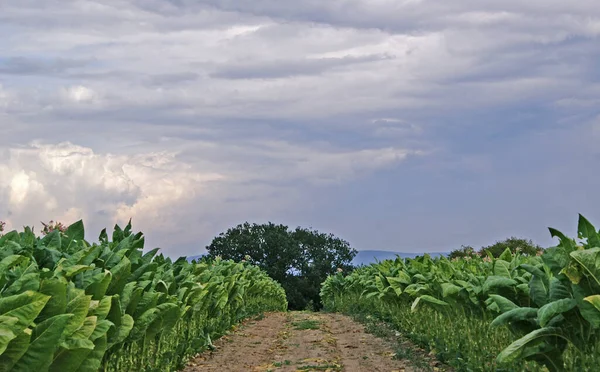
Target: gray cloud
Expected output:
[36,66]
[307,112]
[282,68]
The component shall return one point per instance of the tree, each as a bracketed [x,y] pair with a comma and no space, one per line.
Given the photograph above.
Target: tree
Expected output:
[523,246]
[299,259]
[464,251]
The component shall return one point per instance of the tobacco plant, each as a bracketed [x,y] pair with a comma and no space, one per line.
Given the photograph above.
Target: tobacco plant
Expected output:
[68,305]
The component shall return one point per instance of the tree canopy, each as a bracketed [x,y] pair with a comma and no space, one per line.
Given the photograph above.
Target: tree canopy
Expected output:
[299,259]
[523,246]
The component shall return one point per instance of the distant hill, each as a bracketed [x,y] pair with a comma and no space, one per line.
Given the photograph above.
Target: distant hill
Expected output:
[191,258]
[368,257]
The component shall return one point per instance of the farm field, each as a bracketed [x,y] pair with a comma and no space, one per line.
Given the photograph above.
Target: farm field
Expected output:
[514,312]
[67,305]
[304,341]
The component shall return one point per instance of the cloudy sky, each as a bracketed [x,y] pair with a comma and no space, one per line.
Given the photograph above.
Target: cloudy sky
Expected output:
[409,125]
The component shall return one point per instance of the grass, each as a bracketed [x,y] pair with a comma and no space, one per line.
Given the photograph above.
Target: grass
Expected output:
[306,324]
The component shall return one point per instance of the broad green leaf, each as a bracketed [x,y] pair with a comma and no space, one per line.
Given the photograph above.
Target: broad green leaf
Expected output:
[142,323]
[94,359]
[79,308]
[427,299]
[122,331]
[502,268]
[98,288]
[535,271]
[102,328]
[101,308]
[567,244]
[594,300]
[57,289]
[586,309]
[493,282]
[396,284]
[503,303]
[515,315]
[29,281]
[25,307]
[86,329]
[7,331]
[12,261]
[52,240]
[556,258]
[552,309]
[589,259]
[15,350]
[44,342]
[515,350]
[120,274]
[586,230]
[75,233]
[506,256]
[558,290]
[449,289]
[70,360]
[538,291]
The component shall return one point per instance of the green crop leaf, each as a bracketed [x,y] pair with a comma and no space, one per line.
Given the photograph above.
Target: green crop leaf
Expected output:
[552,309]
[56,288]
[52,240]
[44,342]
[122,331]
[558,290]
[101,308]
[102,328]
[79,308]
[503,303]
[94,359]
[142,323]
[515,315]
[594,300]
[502,268]
[75,233]
[494,282]
[7,333]
[506,256]
[396,284]
[516,349]
[25,307]
[587,231]
[427,299]
[589,259]
[449,289]
[538,291]
[98,288]
[120,274]
[15,350]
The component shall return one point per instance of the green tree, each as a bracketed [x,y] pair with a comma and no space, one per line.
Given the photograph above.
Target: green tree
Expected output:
[299,259]
[464,251]
[523,246]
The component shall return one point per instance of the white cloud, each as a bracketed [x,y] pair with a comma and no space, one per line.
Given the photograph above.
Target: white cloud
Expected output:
[80,94]
[190,115]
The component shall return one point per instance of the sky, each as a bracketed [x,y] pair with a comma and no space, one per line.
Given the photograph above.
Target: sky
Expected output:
[406,125]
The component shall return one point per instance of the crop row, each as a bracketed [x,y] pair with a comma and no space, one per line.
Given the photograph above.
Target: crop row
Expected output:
[68,305]
[513,312]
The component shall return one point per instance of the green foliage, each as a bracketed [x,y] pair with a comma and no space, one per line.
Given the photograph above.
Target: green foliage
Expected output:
[514,245]
[68,305]
[299,259]
[510,307]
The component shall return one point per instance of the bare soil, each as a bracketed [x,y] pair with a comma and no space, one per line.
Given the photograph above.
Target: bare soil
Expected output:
[300,341]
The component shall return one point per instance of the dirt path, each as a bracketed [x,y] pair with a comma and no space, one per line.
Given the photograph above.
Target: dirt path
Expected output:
[299,341]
